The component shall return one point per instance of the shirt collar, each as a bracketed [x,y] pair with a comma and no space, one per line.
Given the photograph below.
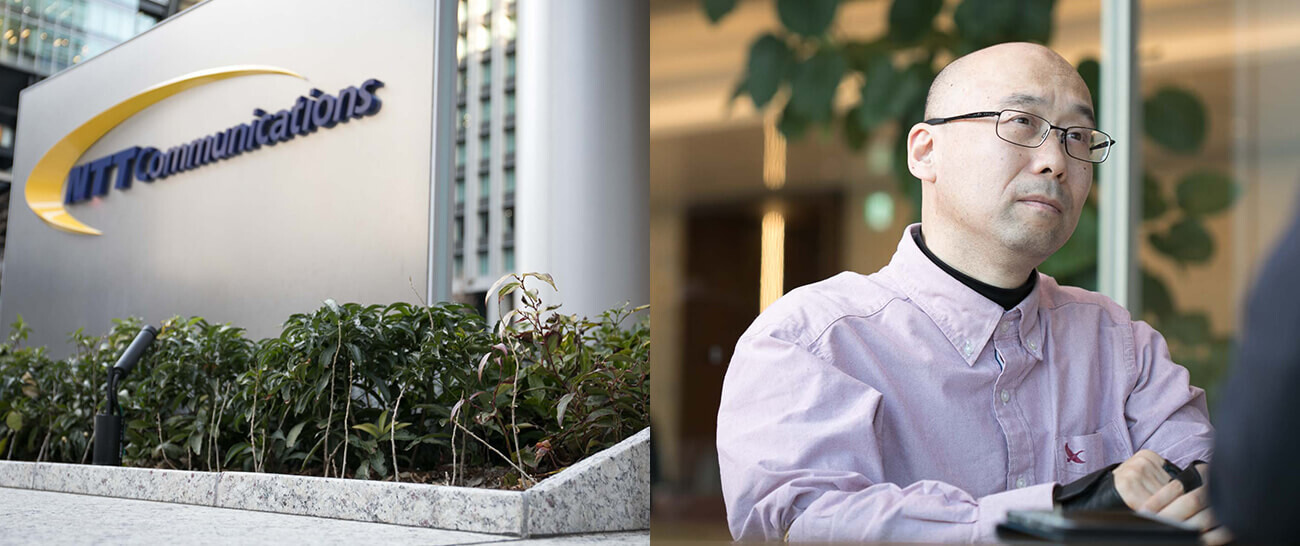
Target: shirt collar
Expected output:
[966,318]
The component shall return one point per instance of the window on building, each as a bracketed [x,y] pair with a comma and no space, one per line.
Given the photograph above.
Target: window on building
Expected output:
[459,232]
[483,226]
[482,264]
[485,110]
[510,142]
[486,74]
[484,146]
[509,184]
[510,66]
[508,218]
[508,256]
[458,267]
[460,154]
[460,192]
[510,104]
[508,28]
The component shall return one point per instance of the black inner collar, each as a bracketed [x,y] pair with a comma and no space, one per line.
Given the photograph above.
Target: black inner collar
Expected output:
[1006,297]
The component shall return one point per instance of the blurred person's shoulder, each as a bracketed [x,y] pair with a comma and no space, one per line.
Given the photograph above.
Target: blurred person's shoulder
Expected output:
[805,313]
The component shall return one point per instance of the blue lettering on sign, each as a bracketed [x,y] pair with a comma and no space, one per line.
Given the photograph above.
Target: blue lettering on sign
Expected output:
[148,164]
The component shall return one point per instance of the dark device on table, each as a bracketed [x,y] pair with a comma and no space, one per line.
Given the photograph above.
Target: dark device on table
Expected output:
[1093,526]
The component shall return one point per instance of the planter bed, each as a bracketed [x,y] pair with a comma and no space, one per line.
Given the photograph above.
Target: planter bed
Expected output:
[608,491]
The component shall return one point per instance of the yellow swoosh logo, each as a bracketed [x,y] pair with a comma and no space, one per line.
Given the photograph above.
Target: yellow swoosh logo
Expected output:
[45,183]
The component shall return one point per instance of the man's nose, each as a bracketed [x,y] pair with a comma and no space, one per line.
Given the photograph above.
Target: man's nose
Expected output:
[1050,158]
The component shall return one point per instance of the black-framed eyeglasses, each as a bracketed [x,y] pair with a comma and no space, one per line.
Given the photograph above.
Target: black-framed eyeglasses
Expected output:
[1030,131]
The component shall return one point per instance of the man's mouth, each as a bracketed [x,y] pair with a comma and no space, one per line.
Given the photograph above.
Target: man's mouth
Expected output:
[1043,203]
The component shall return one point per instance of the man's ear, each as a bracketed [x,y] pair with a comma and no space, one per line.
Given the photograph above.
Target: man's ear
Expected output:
[920,152]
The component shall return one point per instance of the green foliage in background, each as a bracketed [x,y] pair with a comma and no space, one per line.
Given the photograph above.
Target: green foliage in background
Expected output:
[348,390]
[797,69]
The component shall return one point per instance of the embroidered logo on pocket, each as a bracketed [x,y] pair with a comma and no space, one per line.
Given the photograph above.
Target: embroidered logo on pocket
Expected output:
[1073,456]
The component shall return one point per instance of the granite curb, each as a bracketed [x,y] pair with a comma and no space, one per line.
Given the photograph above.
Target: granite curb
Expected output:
[609,491]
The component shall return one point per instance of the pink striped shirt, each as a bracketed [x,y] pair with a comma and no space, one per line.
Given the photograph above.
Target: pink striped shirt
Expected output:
[903,405]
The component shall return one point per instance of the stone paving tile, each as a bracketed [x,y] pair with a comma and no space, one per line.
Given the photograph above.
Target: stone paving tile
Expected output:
[44,517]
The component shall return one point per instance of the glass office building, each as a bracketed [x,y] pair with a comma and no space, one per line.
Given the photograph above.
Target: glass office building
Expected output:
[46,36]
[483,236]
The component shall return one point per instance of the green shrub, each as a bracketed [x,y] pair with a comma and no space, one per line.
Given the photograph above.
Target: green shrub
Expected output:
[348,390]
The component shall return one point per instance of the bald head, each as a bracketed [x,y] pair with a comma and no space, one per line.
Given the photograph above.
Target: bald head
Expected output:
[992,207]
[995,72]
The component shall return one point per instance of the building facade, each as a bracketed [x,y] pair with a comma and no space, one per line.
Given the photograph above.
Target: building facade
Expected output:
[483,239]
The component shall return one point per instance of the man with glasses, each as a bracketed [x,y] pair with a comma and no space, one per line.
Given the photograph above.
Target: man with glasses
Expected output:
[924,401]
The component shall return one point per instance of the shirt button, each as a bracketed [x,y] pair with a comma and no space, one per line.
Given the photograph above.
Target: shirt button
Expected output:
[1020,482]
[1006,396]
[1005,326]
[1033,346]
[967,349]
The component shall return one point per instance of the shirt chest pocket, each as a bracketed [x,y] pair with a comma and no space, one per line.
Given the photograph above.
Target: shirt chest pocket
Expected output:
[1080,455]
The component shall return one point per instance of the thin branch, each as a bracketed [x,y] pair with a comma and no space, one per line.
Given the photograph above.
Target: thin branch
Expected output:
[347,416]
[522,472]
[392,434]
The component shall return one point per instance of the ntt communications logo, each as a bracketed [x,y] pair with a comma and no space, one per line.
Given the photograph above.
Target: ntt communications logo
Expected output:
[55,182]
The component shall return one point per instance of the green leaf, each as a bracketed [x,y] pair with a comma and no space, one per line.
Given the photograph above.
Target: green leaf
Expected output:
[909,20]
[1090,71]
[1175,118]
[599,414]
[877,92]
[292,440]
[1156,298]
[982,23]
[14,420]
[196,444]
[854,135]
[1035,24]
[327,356]
[912,86]
[813,84]
[1186,241]
[563,405]
[363,471]
[369,428]
[546,278]
[1206,192]
[1187,328]
[807,17]
[769,60]
[1153,198]
[717,9]
[236,450]
[791,124]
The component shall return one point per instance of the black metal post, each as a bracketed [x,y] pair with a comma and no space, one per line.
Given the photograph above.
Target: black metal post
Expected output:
[108,426]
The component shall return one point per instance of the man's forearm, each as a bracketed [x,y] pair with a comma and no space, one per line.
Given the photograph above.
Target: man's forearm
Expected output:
[926,511]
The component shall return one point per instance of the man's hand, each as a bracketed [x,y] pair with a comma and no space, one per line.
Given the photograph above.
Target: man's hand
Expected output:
[1194,508]
[1140,477]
